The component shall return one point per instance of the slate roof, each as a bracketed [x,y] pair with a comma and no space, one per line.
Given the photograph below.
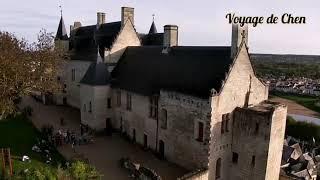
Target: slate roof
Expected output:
[86,39]
[97,74]
[153,28]
[286,154]
[152,39]
[61,32]
[188,69]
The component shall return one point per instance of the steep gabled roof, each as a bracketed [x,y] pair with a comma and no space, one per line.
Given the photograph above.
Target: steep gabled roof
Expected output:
[152,39]
[86,39]
[191,70]
[153,28]
[107,34]
[97,74]
[61,32]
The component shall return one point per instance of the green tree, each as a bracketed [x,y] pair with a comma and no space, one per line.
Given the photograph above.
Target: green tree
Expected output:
[26,67]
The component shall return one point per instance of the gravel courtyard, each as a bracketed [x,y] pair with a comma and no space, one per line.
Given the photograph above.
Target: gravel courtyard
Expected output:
[105,152]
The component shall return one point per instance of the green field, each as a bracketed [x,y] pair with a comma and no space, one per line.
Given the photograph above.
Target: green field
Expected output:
[19,134]
[306,101]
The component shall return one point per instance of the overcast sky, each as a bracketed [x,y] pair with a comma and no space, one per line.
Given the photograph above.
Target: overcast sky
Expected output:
[201,22]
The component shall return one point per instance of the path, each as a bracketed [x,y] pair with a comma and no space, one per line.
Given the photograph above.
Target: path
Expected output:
[295,108]
[105,152]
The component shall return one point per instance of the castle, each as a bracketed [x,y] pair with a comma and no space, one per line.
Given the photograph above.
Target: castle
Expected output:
[199,107]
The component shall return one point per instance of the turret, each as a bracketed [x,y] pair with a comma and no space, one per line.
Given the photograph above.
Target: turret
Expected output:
[153,28]
[62,40]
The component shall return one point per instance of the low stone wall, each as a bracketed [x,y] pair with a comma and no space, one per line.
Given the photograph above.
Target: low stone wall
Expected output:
[196,175]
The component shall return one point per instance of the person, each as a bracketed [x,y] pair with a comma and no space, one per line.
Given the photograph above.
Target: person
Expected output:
[81,129]
[61,121]
[68,136]
[72,146]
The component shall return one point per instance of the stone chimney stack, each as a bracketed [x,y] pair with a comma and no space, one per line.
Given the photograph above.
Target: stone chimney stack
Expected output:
[127,13]
[239,34]
[101,18]
[76,25]
[170,36]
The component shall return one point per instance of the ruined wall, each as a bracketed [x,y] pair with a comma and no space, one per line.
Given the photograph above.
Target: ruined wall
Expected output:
[137,118]
[127,37]
[258,134]
[97,95]
[248,142]
[180,137]
[278,126]
[240,87]
[73,87]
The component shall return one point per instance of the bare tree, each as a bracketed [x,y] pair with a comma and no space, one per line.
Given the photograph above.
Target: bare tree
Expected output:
[26,67]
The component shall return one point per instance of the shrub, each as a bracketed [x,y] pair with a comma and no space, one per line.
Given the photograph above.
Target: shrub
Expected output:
[82,171]
[302,130]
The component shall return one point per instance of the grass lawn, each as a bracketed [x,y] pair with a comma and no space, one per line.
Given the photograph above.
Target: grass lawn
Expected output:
[306,101]
[19,134]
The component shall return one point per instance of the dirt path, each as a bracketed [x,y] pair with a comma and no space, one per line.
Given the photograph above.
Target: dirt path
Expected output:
[295,108]
[105,152]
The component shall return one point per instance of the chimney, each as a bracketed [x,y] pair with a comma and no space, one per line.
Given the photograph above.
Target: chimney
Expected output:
[239,34]
[127,13]
[101,18]
[170,36]
[71,30]
[76,25]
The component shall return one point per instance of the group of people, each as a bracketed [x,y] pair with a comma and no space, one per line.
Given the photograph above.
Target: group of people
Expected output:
[60,137]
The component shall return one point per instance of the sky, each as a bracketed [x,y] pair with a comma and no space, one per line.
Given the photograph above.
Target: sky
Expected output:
[201,22]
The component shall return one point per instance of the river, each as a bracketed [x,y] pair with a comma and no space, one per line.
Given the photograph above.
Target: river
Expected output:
[303,118]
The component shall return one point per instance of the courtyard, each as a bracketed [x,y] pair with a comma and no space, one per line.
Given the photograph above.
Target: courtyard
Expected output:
[106,151]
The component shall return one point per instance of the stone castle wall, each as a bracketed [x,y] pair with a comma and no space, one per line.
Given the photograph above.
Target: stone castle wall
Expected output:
[180,137]
[98,96]
[127,37]
[240,88]
[137,118]
[258,134]
[73,87]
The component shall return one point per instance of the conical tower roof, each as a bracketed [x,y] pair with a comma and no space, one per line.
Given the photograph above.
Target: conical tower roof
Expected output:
[153,28]
[97,73]
[61,32]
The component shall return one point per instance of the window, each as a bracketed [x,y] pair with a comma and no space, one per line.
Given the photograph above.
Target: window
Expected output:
[73,74]
[109,103]
[119,98]
[84,108]
[129,102]
[225,123]
[145,141]
[90,107]
[153,107]
[256,130]
[218,168]
[222,126]
[164,119]
[200,131]
[253,161]
[235,158]
[64,90]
